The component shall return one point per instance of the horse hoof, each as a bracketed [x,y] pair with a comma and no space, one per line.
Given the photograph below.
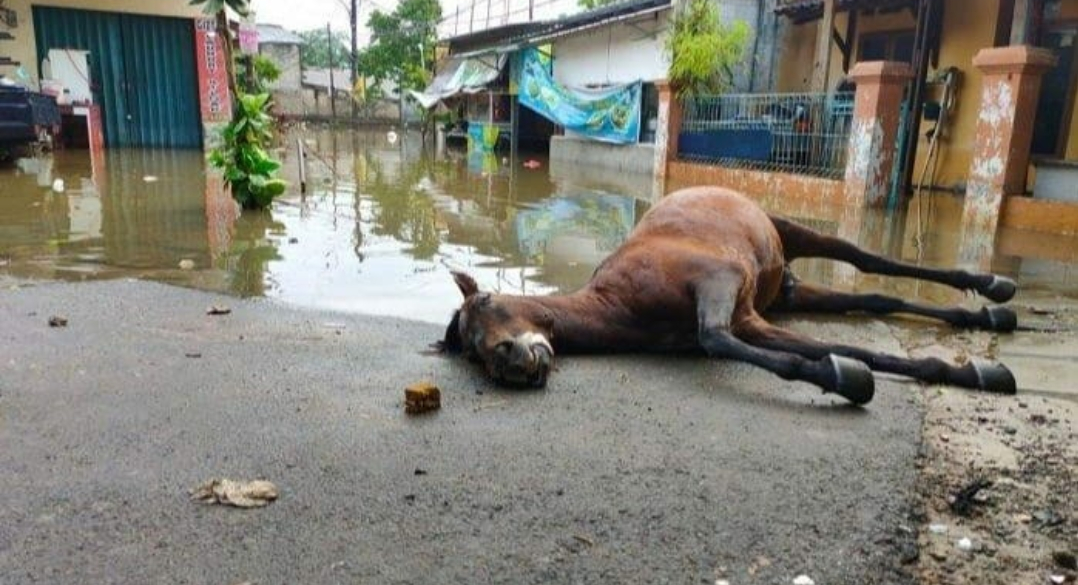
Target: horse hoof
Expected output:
[994,377]
[852,380]
[998,318]
[1001,289]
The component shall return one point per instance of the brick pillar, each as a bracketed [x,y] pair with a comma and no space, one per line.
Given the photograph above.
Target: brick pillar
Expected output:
[1009,89]
[871,152]
[667,128]
[216,103]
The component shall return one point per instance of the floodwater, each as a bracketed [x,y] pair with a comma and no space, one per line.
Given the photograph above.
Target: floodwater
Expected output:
[382,224]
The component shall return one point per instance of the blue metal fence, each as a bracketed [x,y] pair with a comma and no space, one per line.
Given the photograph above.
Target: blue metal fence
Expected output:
[803,133]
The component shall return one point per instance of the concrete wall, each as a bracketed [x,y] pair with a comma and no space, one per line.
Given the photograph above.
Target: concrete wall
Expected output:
[626,52]
[287,59]
[756,73]
[612,54]
[778,190]
[308,103]
[23,48]
[624,158]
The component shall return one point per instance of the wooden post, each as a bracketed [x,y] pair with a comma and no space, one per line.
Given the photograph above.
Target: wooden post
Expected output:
[353,18]
[929,18]
[332,89]
[1021,23]
[302,159]
[822,64]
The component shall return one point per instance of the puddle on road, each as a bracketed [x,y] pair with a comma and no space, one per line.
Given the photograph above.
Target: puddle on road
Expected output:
[381,227]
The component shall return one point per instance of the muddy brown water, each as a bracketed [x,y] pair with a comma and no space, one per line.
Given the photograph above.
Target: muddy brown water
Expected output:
[382,224]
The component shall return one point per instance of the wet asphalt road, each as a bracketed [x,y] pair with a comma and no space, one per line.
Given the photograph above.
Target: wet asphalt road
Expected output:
[624,470]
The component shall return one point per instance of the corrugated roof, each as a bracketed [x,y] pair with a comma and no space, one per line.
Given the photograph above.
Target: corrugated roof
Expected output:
[524,33]
[806,10]
[273,34]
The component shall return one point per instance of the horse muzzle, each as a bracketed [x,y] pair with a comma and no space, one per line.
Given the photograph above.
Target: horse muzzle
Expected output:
[522,364]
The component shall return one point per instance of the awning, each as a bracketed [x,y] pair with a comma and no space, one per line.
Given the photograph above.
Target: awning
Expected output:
[461,75]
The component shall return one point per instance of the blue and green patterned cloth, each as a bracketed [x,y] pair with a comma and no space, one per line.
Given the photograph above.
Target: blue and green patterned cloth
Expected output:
[610,114]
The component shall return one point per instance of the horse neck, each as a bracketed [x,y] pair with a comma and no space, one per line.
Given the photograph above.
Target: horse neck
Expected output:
[583,321]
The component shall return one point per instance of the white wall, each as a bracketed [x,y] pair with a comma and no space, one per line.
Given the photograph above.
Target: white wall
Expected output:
[613,54]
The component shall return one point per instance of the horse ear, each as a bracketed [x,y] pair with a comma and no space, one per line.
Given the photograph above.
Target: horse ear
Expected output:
[465,283]
[452,342]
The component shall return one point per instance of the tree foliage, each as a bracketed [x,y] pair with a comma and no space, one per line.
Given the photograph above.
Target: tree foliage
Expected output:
[704,52]
[402,44]
[241,7]
[266,72]
[319,47]
[589,4]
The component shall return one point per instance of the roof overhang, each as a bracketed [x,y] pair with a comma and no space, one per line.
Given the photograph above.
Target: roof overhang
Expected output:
[462,74]
[808,10]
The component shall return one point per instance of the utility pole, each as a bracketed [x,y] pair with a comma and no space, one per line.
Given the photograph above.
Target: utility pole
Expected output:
[352,61]
[332,89]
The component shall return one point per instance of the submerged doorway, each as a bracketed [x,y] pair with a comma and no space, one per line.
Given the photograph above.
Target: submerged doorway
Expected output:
[141,68]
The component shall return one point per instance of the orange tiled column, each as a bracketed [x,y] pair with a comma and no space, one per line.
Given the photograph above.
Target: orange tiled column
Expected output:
[667,129]
[871,151]
[1009,90]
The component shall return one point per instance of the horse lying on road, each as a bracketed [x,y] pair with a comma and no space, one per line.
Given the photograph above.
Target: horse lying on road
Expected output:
[696,274]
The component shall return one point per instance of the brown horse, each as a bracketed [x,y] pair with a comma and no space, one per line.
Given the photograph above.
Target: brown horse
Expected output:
[696,274]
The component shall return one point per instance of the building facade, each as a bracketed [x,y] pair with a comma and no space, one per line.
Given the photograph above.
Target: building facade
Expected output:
[155,70]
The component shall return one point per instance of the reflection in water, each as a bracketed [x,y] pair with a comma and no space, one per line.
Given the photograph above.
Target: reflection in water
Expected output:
[253,248]
[382,226]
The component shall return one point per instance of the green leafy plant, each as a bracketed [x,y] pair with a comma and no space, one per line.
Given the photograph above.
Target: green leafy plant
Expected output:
[248,168]
[704,53]
[265,71]
[589,4]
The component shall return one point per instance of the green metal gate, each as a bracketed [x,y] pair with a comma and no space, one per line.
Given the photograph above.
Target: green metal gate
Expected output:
[142,68]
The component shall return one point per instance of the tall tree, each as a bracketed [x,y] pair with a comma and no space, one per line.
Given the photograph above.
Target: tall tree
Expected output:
[318,48]
[402,44]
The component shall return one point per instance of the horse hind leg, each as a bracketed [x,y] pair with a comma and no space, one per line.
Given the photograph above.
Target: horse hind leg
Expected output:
[798,296]
[717,303]
[986,376]
[801,242]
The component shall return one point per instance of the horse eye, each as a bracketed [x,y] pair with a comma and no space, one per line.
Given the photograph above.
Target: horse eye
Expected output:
[504,348]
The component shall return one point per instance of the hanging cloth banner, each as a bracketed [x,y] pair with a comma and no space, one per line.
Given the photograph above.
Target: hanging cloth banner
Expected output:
[610,115]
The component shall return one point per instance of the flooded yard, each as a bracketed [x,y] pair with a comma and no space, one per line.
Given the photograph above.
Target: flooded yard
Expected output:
[382,224]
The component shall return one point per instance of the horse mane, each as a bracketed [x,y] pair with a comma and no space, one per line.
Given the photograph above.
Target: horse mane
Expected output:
[452,342]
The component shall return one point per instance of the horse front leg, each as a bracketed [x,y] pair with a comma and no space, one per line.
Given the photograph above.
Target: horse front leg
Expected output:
[801,242]
[989,377]
[719,299]
[798,296]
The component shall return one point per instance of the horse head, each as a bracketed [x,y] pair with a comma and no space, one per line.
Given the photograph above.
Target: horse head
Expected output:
[499,331]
